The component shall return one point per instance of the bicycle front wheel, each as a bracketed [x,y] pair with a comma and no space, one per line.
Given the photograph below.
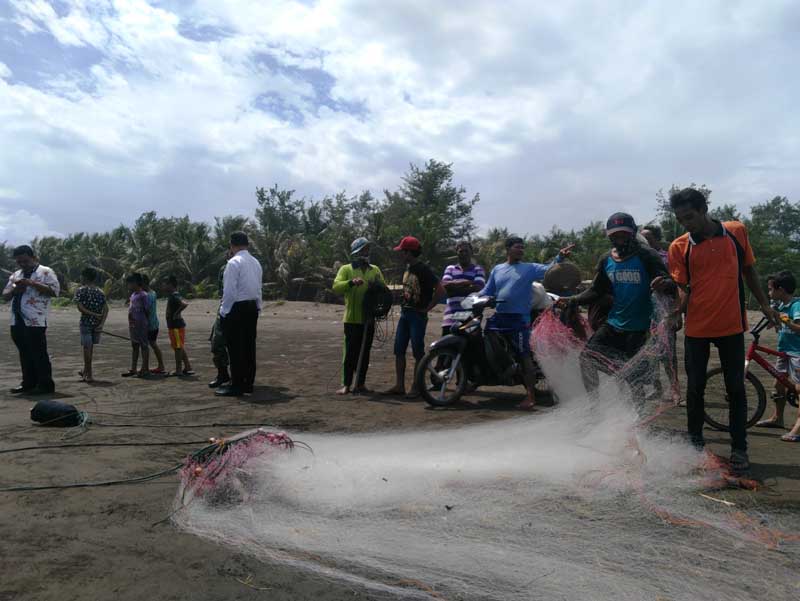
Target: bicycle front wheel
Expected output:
[717,404]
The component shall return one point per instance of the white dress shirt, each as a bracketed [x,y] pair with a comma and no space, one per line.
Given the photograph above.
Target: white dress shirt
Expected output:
[241,282]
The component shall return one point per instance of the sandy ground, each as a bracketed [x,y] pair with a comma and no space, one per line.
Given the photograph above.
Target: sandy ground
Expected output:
[102,543]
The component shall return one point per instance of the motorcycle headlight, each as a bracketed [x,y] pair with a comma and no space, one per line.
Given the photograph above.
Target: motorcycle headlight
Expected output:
[462,315]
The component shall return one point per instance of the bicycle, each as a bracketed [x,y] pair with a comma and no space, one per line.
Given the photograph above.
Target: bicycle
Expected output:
[716,399]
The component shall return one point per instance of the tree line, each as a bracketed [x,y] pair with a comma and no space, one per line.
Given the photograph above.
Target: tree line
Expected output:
[297,237]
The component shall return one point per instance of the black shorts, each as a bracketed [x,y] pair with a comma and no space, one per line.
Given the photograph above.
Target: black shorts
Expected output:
[616,344]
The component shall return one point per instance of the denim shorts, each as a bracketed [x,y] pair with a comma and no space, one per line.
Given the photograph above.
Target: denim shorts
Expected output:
[89,336]
[514,329]
[411,327]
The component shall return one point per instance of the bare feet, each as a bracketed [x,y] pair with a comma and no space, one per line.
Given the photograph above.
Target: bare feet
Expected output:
[361,390]
[412,394]
[527,406]
[394,391]
[343,390]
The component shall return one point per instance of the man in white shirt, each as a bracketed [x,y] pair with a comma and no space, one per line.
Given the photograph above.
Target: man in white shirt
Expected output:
[30,289]
[239,311]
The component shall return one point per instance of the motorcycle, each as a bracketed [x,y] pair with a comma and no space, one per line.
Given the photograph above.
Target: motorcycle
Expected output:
[469,356]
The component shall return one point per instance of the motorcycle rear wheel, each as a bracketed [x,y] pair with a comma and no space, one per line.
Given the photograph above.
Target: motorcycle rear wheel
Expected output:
[450,382]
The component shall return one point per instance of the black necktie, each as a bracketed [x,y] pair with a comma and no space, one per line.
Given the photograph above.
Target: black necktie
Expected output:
[16,301]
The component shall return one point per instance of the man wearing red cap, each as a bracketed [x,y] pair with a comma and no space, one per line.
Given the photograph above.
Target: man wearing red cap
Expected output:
[421,291]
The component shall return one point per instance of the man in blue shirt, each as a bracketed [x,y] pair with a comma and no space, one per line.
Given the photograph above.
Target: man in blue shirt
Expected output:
[511,283]
[628,272]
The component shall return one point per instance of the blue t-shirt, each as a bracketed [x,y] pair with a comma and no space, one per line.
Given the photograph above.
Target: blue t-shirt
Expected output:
[630,283]
[152,315]
[788,341]
[513,285]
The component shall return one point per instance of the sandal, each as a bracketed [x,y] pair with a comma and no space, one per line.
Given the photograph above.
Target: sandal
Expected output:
[769,423]
[790,438]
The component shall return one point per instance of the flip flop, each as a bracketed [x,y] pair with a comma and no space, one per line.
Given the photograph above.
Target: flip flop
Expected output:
[768,423]
[189,372]
[790,438]
[129,374]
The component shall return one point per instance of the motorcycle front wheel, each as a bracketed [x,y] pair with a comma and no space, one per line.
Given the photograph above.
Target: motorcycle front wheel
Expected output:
[441,387]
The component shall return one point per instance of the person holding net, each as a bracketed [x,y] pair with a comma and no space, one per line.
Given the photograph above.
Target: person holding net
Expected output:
[512,285]
[352,282]
[629,272]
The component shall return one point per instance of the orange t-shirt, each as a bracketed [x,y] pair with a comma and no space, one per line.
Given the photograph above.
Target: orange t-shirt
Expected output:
[712,268]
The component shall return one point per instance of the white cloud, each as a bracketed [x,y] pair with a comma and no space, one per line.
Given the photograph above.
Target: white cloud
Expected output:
[556,113]
[21,226]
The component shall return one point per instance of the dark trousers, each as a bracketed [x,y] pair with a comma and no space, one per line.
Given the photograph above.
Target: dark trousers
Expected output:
[33,358]
[731,357]
[219,351]
[353,336]
[239,327]
[618,347]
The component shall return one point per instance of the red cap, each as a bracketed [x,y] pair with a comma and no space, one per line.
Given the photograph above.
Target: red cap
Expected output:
[408,243]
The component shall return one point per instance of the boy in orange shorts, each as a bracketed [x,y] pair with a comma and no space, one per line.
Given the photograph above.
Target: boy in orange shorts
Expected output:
[177,327]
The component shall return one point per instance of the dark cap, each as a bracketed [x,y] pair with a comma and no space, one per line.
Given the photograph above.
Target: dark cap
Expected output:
[620,222]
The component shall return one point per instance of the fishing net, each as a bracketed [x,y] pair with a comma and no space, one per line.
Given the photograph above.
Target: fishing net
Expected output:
[587,501]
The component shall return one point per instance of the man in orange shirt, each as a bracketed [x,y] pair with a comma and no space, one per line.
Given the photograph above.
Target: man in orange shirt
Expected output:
[711,263]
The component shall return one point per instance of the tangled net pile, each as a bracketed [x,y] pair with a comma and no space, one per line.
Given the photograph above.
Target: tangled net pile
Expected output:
[586,501]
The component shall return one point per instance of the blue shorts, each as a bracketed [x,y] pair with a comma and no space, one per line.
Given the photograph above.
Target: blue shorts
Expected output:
[89,336]
[514,328]
[411,327]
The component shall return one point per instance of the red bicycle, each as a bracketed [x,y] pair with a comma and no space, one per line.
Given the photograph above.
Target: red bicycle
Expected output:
[716,399]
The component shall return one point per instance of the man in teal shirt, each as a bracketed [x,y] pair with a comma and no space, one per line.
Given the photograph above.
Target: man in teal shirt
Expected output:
[628,272]
[781,287]
[351,282]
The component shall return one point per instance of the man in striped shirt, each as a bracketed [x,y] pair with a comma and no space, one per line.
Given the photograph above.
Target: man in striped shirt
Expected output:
[459,280]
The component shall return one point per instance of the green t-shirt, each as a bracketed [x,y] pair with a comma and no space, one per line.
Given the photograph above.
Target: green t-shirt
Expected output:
[354,295]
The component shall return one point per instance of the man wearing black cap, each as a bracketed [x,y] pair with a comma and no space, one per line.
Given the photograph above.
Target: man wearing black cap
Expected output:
[628,272]
[239,311]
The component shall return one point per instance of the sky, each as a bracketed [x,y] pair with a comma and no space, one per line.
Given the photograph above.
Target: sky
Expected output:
[557,113]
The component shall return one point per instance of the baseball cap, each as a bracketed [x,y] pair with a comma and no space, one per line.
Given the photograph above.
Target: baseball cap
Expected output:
[408,243]
[358,245]
[620,222]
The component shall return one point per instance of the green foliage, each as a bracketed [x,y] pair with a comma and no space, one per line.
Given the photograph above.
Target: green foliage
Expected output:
[774,228]
[305,238]
[664,215]
[61,302]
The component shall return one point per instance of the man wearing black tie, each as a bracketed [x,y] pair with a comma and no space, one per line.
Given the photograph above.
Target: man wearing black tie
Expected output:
[239,310]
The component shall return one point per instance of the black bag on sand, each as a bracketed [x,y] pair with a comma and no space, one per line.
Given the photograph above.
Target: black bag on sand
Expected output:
[53,413]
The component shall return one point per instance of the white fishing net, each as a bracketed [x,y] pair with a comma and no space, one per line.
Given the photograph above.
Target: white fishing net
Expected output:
[583,502]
